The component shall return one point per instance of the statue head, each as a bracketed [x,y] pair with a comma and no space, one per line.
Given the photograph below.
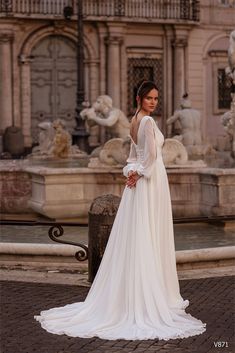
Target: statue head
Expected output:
[185,102]
[103,104]
[59,124]
[45,125]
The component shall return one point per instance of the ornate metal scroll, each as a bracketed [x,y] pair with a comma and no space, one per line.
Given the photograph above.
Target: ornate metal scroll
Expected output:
[57,231]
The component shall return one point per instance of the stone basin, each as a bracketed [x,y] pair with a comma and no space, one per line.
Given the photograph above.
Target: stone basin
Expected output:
[67,193]
[60,163]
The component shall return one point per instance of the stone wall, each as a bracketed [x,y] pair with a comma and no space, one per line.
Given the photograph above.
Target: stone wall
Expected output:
[66,194]
[16,190]
[191,52]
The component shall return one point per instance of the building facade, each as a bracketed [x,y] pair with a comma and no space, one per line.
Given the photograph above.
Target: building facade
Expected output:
[182,45]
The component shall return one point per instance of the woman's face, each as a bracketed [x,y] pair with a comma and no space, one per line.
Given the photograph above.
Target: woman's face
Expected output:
[149,102]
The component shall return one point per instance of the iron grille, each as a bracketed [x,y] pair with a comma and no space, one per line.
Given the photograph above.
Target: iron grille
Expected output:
[224,89]
[140,69]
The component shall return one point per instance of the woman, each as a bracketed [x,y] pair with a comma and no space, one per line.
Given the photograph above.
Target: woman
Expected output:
[135,294]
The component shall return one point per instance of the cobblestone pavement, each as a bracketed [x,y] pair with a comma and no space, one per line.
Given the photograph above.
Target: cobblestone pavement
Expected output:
[211,300]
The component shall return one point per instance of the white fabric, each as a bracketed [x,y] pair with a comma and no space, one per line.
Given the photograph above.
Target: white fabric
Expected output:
[147,150]
[135,294]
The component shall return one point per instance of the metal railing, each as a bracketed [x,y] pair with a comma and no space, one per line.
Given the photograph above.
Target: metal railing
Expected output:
[55,232]
[185,10]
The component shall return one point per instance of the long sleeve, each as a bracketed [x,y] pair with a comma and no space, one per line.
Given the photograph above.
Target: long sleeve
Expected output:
[150,151]
[131,161]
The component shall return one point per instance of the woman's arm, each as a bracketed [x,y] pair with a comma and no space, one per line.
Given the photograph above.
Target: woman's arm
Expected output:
[150,150]
[131,161]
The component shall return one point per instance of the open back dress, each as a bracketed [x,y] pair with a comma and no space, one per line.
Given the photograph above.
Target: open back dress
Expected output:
[135,294]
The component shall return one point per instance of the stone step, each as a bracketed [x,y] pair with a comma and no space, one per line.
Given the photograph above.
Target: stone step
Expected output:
[59,256]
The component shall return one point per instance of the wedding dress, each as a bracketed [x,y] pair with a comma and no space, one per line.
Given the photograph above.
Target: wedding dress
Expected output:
[135,294]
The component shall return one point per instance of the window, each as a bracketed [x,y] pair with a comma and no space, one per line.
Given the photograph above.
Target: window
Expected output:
[140,69]
[227,3]
[224,89]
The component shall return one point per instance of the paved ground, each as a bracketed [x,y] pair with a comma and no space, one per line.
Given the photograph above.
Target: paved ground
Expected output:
[211,300]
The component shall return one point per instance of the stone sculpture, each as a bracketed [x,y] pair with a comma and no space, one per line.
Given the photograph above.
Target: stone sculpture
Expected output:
[189,120]
[175,155]
[174,152]
[46,137]
[104,114]
[230,70]
[115,150]
[55,142]
[114,153]
[62,141]
[189,127]
[228,118]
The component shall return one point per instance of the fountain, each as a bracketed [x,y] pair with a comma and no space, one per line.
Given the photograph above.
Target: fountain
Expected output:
[63,186]
[60,181]
[55,147]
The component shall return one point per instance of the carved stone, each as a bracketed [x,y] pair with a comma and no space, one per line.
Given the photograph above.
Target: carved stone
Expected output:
[104,114]
[186,123]
[114,153]
[174,152]
[228,119]
[55,142]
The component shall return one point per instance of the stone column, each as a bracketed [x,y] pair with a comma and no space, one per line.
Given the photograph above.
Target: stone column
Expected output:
[114,70]
[95,131]
[6,99]
[168,75]
[179,75]
[26,100]
[94,80]
[102,30]
[114,41]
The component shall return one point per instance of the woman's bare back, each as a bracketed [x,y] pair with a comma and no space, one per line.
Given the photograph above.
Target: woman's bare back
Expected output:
[134,128]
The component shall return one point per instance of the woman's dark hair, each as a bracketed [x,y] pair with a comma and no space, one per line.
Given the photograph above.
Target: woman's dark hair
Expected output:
[143,90]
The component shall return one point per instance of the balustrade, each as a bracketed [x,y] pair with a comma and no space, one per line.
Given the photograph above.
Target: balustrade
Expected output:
[136,9]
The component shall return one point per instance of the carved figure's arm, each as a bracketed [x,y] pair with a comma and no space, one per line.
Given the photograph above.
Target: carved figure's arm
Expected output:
[173,118]
[110,121]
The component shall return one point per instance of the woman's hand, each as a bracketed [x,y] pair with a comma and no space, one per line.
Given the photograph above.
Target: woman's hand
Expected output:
[132,179]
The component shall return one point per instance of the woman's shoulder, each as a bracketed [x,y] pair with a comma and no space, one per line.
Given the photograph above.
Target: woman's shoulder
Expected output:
[148,118]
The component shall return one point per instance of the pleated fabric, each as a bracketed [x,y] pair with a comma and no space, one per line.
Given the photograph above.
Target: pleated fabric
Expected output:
[135,294]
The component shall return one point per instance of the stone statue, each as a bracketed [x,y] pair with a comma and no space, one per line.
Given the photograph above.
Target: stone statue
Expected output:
[175,155]
[174,152]
[231,57]
[62,141]
[114,153]
[46,137]
[55,142]
[189,126]
[228,118]
[104,114]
